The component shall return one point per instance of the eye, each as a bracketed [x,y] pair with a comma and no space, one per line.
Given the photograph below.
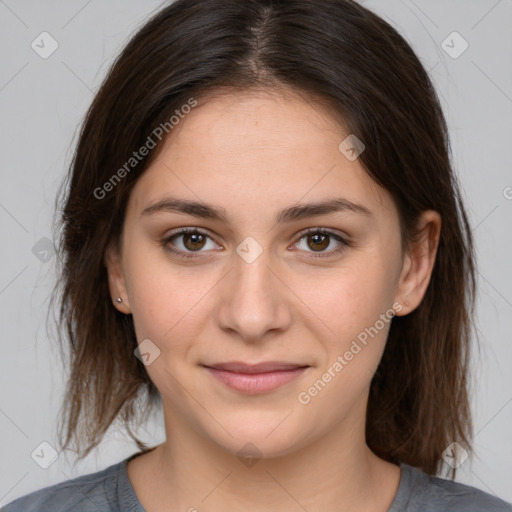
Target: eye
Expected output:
[318,240]
[187,241]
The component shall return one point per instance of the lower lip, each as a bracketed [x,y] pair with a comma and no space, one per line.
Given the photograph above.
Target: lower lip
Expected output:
[257,382]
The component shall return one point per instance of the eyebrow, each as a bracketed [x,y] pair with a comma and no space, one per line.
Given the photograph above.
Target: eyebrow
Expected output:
[293,213]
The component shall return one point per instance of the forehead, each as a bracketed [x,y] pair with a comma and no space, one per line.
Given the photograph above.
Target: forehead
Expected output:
[254,150]
[280,121]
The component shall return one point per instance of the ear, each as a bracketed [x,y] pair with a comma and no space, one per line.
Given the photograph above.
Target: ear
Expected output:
[116,280]
[418,262]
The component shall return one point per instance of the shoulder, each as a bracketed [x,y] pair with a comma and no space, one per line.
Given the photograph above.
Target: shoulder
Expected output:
[425,493]
[95,491]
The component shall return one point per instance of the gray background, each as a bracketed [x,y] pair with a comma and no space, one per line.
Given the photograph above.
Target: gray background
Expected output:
[42,102]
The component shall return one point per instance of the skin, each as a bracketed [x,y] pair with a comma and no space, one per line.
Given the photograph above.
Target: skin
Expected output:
[254,154]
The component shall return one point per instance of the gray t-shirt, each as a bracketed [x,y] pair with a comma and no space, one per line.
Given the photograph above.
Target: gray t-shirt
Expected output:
[110,490]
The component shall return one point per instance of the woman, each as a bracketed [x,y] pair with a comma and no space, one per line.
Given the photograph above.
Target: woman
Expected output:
[262,230]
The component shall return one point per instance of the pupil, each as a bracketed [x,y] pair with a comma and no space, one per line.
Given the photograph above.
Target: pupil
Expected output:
[319,241]
[194,241]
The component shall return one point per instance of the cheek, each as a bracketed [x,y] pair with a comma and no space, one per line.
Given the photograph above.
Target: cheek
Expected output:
[350,300]
[357,309]
[159,297]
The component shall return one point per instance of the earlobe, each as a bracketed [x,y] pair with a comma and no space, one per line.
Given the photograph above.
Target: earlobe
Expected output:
[419,262]
[116,280]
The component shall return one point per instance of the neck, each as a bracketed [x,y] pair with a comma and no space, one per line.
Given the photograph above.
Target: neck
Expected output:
[335,472]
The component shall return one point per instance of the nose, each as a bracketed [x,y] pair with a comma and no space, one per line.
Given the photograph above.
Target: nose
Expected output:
[255,302]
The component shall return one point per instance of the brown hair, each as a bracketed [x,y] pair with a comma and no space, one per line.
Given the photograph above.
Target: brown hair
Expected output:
[356,63]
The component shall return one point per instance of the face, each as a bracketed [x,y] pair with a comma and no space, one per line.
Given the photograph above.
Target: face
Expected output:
[257,277]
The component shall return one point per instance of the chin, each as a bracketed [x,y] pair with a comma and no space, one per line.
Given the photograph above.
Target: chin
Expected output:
[256,437]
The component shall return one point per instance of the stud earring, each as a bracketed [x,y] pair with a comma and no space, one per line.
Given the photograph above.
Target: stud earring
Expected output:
[119,300]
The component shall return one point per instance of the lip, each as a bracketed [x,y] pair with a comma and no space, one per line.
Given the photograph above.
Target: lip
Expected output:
[255,378]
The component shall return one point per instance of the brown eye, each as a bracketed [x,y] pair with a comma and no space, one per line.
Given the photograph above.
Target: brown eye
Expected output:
[322,242]
[193,241]
[318,242]
[188,241]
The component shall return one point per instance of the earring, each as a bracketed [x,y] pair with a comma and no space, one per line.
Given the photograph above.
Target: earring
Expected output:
[119,300]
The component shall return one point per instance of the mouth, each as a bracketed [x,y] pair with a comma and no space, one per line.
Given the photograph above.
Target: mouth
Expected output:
[255,378]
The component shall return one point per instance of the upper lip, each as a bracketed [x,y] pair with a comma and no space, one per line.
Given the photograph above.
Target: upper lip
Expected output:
[265,367]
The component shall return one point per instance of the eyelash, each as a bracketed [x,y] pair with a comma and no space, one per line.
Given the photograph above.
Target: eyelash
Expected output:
[317,231]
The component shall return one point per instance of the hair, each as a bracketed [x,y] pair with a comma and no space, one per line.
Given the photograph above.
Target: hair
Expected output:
[353,62]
